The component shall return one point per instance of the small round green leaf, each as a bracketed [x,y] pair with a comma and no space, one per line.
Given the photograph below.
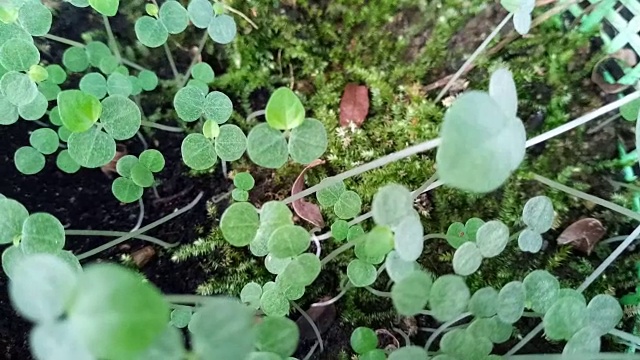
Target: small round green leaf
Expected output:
[9,112]
[12,216]
[35,18]
[118,84]
[604,313]
[239,224]
[251,294]
[222,29]
[200,13]
[303,270]
[348,206]
[484,303]
[239,195]
[284,110]
[585,341]
[75,59]
[329,195]
[530,241]
[244,181]
[120,117]
[19,55]
[109,64]
[230,143]
[151,32]
[181,316]
[308,141]
[92,148]
[125,190]
[538,214]
[276,265]
[277,335]
[94,84]
[411,294]
[44,140]
[375,245]
[65,162]
[37,73]
[460,343]
[363,340]
[174,17]
[49,90]
[125,164]
[391,205]
[274,303]
[340,230]
[97,51]
[467,259]
[397,268]
[360,273]
[198,152]
[152,159]
[409,353]
[217,107]
[148,80]
[542,290]
[34,110]
[375,354]
[211,129]
[565,318]
[203,72]
[267,146]
[78,110]
[492,238]
[11,257]
[288,241]
[449,297]
[511,302]
[41,287]
[273,214]
[189,103]
[56,73]
[408,237]
[42,233]
[141,176]
[105,7]
[354,232]
[28,160]
[17,88]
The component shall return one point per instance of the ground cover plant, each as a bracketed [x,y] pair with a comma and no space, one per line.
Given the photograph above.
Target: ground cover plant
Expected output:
[108,311]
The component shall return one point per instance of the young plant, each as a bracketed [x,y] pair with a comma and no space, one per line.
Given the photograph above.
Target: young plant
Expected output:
[137,174]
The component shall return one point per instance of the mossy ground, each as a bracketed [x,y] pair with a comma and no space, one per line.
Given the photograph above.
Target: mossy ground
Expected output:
[396,48]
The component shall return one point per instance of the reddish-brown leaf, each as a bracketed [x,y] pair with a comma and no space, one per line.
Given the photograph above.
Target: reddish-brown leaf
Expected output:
[304,209]
[354,105]
[583,234]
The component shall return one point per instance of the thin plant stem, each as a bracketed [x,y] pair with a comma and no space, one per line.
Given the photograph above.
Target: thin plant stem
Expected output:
[582,356]
[473,56]
[332,255]
[425,186]
[79,44]
[245,17]
[334,299]
[141,230]
[140,216]
[112,39]
[311,322]
[311,351]
[161,127]
[172,63]
[405,337]
[187,299]
[626,186]
[255,114]
[443,327]
[224,168]
[194,61]
[378,292]
[594,199]
[604,123]
[614,239]
[142,140]
[633,339]
[146,238]
[412,150]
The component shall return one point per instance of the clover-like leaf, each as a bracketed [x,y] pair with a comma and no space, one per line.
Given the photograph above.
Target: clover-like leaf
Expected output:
[125,164]
[148,80]
[538,214]
[530,241]
[203,72]
[9,111]
[230,143]
[565,318]
[542,290]
[267,147]
[303,270]
[361,273]
[251,294]
[36,109]
[348,206]
[408,237]
[174,17]
[467,259]
[189,103]
[78,110]
[125,190]
[120,117]
[604,313]
[484,302]
[75,59]
[119,84]
[92,148]
[217,107]
[244,181]
[375,245]
[142,176]
[35,18]
[239,224]
[11,257]
[273,215]
[511,302]
[274,303]
[585,341]
[41,287]
[12,216]
[307,141]
[276,265]
[328,195]
[449,297]
[65,162]
[492,238]
[397,268]
[288,240]
[222,29]
[19,55]
[153,160]
[28,160]
[105,7]
[277,335]
[17,88]
[181,316]
[198,152]
[44,140]
[42,233]
[499,144]
[409,353]
[284,110]
[391,204]
[411,294]
[461,343]
[503,90]
[200,13]
[363,340]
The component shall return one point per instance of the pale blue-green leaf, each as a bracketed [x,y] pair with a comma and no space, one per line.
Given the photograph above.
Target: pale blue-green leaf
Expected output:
[92,148]
[511,302]
[151,32]
[198,152]
[222,29]
[12,216]
[408,237]
[467,259]
[308,141]
[530,241]
[57,341]
[174,17]
[542,290]
[42,233]
[231,143]
[17,88]
[120,117]
[200,13]
[492,238]
[449,297]
[267,147]
[502,89]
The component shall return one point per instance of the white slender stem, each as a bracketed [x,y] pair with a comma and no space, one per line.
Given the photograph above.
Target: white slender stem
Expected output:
[172,63]
[117,234]
[473,56]
[161,127]
[443,327]
[112,38]
[604,123]
[311,322]
[635,340]
[140,216]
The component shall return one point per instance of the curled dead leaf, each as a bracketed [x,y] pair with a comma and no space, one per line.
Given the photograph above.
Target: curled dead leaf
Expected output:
[304,209]
[354,106]
[624,56]
[583,234]
[143,256]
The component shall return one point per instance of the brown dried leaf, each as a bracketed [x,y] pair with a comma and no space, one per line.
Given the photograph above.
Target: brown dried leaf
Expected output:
[626,56]
[322,316]
[143,256]
[354,106]
[304,209]
[110,168]
[583,234]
